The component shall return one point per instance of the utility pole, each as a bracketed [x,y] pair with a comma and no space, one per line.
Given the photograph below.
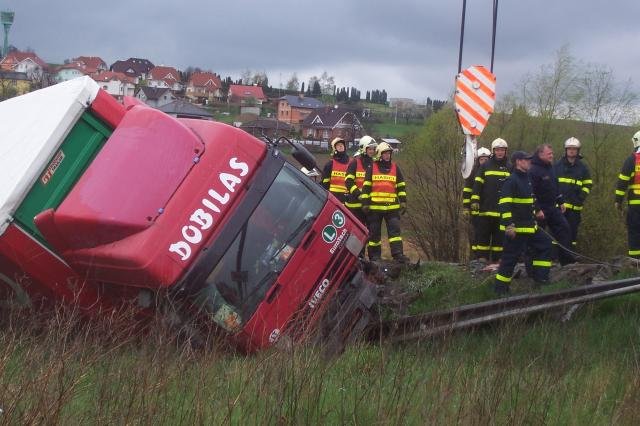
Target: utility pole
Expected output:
[6,18]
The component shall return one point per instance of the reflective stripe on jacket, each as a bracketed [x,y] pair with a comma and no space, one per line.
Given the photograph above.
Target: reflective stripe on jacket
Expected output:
[487,184]
[384,187]
[627,181]
[517,203]
[574,182]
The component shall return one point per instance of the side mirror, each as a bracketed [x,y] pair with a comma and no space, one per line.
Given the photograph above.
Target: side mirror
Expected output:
[303,156]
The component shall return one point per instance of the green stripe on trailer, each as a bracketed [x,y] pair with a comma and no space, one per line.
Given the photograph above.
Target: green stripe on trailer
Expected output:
[63,170]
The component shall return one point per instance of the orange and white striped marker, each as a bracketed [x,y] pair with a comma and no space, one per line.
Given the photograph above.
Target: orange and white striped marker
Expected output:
[475,98]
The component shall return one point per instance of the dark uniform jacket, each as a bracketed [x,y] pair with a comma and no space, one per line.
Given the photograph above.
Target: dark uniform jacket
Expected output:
[626,183]
[545,184]
[467,190]
[487,184]
[517,204]
[574,182]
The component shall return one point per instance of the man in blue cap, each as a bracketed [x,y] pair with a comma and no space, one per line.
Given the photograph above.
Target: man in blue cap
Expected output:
[518,214]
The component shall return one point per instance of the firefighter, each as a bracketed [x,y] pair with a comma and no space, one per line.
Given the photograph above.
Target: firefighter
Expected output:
[334,172]
[551,202]
[484,200]
[574,181]
[629,183]
[518,214]
[384,198]
[355,175]
[467,191]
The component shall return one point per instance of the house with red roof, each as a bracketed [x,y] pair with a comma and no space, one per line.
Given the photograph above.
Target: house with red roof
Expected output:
[117,84]
[70,71]
[204,87]
[165,77]
[92,64]
[246,95]
[25,62]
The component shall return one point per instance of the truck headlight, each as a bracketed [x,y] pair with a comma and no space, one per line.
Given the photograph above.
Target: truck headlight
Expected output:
[354,245]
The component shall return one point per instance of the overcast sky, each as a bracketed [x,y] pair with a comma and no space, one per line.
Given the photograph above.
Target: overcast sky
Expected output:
[408,47]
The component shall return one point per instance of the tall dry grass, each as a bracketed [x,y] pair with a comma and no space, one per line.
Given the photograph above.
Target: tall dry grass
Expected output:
[63,369]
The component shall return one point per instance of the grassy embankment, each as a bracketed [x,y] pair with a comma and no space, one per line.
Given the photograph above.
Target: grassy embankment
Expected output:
[539,371]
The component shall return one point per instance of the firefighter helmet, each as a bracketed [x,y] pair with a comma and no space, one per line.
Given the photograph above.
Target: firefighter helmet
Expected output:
[367,142]
[484,152]
[498,143]
[636,139]
[572,143]
[383,147]
[336,141]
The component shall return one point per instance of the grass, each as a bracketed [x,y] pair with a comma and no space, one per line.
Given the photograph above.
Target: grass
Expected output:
[63,369]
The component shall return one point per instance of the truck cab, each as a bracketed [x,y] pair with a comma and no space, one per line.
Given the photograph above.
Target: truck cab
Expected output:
[108,205]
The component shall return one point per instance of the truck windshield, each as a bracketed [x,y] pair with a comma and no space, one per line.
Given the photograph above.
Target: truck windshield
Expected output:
[262,248]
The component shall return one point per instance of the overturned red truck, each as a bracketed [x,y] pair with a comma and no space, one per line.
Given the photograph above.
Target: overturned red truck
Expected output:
[104,205]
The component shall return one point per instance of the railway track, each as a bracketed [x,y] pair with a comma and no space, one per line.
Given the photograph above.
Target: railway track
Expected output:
[467,316]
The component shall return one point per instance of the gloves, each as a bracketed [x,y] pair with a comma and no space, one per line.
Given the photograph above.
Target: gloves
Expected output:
[403,208]
[475,207]
[466,212]
[510,231]
[365,209]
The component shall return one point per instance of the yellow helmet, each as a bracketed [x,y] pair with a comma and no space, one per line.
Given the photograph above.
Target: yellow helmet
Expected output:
[336,141]
[382,147]
[498,143]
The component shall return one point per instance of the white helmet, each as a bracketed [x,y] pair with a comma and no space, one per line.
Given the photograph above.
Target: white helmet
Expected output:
[484,152]
[573,143]
[498,143]
[636,139]
[383,147]
[367,142]
[336,141]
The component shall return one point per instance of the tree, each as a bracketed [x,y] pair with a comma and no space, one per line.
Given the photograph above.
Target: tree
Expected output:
[246,77]
[550,93]
[302,88]
[327,83]
[293,84]
[317,90]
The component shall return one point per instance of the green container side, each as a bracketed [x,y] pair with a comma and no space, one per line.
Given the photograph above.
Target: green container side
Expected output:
[79,148]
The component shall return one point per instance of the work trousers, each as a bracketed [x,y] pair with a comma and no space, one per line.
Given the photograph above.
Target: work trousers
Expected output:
[473,235]
[489,238]
[559,228]
[536,248]
[633,231]
[359,214]
[374,220]
[573,219]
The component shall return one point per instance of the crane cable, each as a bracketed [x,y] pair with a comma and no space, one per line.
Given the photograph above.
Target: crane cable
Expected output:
[493,33]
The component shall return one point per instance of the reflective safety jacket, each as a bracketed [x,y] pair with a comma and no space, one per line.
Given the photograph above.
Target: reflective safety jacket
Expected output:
[467,191]
[516,203]
[487,184]
[574,182]
[334,176]
[355,179]
[629,181]
[384,186]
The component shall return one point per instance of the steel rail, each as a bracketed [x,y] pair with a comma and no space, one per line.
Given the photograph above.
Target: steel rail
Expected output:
[466,316]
